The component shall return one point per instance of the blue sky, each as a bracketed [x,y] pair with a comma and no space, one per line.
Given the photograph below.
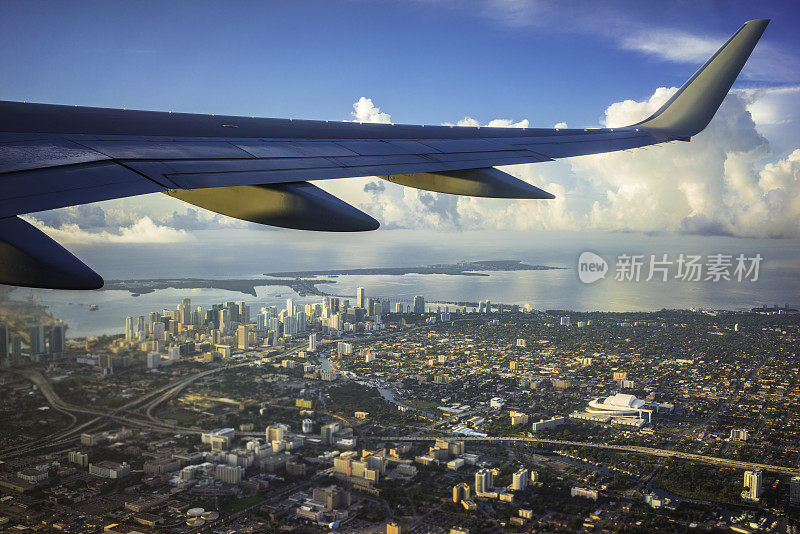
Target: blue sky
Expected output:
[437,61]
[427,61]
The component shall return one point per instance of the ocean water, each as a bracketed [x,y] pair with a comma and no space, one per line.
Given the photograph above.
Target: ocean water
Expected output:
[233,254]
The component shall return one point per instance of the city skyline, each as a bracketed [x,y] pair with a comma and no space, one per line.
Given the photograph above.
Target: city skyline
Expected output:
[301,415]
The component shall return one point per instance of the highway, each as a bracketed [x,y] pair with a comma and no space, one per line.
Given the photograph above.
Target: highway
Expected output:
[125,414]
[664,453]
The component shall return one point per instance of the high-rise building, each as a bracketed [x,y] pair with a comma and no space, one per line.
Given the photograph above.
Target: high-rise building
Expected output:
[185,312]
[152,319]
[58,341]
[274,327]
[140,326]
[224,320]
[419,304]
[460,492]
[243,337]
[290,326]
[752,484]
[301,320]
[233,309]
[794,491]
[519,480]
[243,311]
[289,307]
[5,349]
[328,431]
[275,432]
[262,321]
[153,359]
[129,328]
[312,342]
[483,481]
[158,331]
[77,457]
[565,321]
[15,347]
[360,297]
[398,307]
[38,341]
[229,474]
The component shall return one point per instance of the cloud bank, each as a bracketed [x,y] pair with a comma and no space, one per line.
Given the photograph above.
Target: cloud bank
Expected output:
[142,231]
[727,181]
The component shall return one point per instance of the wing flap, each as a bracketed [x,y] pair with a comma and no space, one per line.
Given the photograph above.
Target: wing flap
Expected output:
[486,182]
[297,205]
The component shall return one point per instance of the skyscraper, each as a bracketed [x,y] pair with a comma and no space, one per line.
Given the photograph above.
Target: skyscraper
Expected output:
[158,331]
[312,342]
[519,480]
[460,492]
[419,304]
[58,342]
[289,307]
[5,350]
[233,310]
[752,484]
[274,327]
[152,319]
[243,310]
[243,337]
[360,297]
[290,326]
[185,311]
[301,320]
[224,320]
[794,491]
[262,321]
[483,481]
[38,341]
[129,328]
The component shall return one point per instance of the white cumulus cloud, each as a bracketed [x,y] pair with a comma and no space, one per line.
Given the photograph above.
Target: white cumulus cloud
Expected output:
[365,111]
[494,123]
[727,181]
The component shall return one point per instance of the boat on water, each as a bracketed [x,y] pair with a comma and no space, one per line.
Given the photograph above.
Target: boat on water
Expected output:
[93,307]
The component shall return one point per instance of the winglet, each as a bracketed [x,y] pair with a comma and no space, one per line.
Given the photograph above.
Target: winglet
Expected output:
[690,110]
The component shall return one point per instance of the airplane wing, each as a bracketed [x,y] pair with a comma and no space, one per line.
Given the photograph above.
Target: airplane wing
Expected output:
[258,169]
